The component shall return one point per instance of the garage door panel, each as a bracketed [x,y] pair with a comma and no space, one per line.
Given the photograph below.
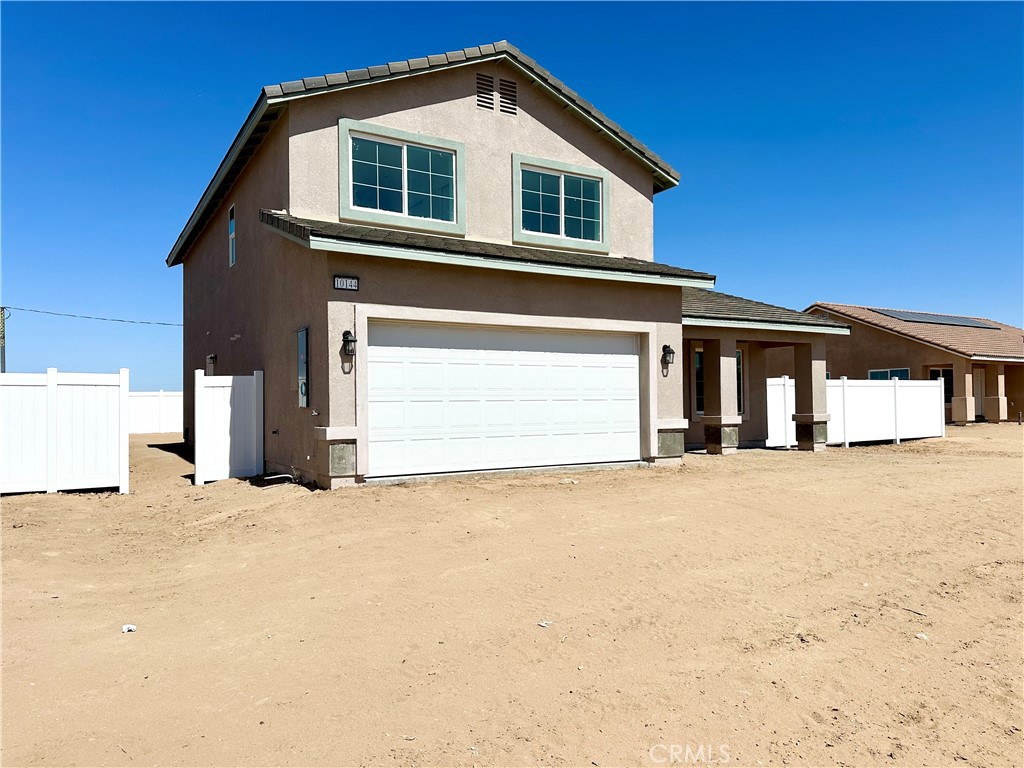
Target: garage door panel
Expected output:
[465,414]
[463,376]
[425,414]
[425,377]
[387,414]
[498,398]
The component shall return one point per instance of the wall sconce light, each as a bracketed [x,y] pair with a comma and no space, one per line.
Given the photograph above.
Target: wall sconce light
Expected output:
[668,355]
[348,343]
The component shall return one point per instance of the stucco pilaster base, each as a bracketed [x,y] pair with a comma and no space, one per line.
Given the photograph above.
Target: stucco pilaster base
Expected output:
[721,439]
[995,409]
[811,431]
[963,410]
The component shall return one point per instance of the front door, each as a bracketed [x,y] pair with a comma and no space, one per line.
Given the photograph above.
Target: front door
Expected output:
[979,392]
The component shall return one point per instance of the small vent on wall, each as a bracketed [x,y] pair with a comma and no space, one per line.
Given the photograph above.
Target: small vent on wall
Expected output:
[508,96]
[485,92]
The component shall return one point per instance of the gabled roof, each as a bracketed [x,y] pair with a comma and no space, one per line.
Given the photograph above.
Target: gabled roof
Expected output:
[274,98]
[706,307]
[355,238]
[999,341]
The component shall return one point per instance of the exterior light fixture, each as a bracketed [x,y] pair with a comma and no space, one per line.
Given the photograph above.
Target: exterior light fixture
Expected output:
[668,355]
[348,344]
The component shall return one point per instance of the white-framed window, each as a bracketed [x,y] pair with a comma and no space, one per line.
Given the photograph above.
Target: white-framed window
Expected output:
[561,204]
[232,253]
[394,178]
[884,374]
[404,178]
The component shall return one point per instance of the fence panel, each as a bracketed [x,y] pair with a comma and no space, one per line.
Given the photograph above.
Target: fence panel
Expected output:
[62,431]
[862,411]
[229,426]
[155,412]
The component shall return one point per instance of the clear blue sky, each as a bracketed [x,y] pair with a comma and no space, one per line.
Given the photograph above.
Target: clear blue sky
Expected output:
[862,153]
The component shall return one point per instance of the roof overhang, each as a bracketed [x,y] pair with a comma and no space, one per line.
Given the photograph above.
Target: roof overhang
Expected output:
[760,325]
[319,243]
[996,359]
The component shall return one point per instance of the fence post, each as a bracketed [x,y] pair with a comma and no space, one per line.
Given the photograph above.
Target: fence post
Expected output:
[51,430]
[846,436]
[160,411]
[199,414]
[122,434]
[896,410]
[257,421]
[785,413]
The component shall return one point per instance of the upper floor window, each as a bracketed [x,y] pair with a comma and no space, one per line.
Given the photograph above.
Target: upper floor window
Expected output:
[560,205]
[394,178]
[403,178]
[232,255]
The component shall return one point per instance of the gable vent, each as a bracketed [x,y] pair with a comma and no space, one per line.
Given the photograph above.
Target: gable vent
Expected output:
[485,92]
[508,96]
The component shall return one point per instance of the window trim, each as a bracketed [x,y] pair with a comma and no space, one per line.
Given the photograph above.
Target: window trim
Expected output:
[348,212]
[888,371]
[232,242]
[947,396]
[523,237]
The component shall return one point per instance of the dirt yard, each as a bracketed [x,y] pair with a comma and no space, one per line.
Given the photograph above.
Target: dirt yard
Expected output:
[858,607]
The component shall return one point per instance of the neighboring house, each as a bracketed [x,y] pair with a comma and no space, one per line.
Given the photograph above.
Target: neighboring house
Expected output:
[981,361]
[447,264]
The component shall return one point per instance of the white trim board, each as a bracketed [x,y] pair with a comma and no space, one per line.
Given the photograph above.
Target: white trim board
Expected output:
[703,322]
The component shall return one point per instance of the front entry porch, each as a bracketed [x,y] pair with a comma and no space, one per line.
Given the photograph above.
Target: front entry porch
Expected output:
[724,343]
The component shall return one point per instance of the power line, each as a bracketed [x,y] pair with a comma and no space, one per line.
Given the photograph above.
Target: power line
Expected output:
[90,317]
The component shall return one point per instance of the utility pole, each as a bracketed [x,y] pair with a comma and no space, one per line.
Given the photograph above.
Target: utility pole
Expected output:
[3,340]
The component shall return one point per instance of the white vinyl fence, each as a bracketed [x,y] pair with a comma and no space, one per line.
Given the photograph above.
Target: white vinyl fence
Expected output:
[60,431]
[863,411]
[155,412]
[229,426]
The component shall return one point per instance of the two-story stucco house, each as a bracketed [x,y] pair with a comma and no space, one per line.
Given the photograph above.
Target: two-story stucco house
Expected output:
[447,264]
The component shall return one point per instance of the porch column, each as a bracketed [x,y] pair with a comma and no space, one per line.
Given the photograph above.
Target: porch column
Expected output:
[811,415]
[963,392]
[721,419]
[754,430]
[995,392]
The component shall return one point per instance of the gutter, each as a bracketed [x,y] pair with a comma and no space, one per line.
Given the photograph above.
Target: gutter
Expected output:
[762,325]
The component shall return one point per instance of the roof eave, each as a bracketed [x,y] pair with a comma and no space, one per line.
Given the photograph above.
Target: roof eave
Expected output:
[764,325]
[315,241]
[176,255]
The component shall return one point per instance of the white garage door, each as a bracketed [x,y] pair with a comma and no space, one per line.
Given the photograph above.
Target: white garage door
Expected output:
[452,398]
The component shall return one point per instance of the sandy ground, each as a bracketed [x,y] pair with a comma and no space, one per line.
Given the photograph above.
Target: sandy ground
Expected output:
[762,609]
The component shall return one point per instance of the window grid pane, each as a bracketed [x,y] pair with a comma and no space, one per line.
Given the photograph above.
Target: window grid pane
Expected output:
[561,204]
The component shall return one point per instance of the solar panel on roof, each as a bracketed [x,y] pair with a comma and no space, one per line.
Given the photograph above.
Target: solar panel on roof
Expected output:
[923,317]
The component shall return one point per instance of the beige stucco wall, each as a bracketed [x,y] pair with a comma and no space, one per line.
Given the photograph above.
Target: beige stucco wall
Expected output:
[867,348]
[220,302]
[443,104]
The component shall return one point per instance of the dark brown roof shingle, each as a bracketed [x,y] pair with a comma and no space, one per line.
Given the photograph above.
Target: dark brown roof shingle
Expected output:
[704,304]
[306,228]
